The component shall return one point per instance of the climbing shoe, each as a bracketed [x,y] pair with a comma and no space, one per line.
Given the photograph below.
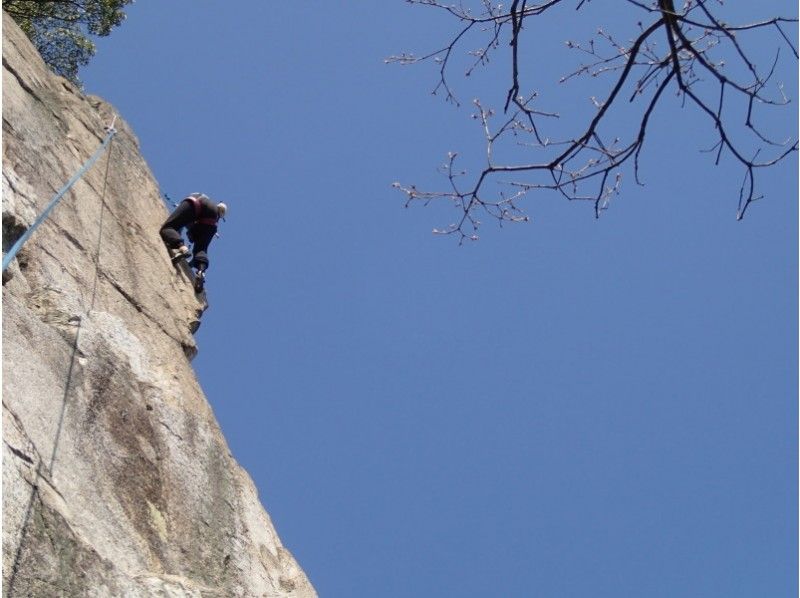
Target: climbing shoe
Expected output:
[199,281]
[181,253]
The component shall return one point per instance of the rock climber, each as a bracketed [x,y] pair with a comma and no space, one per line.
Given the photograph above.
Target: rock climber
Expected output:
[199,214]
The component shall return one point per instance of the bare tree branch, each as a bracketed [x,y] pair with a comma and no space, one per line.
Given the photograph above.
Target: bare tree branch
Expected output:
[706,62]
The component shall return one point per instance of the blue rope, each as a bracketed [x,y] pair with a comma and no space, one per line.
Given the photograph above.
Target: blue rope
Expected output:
[12,253]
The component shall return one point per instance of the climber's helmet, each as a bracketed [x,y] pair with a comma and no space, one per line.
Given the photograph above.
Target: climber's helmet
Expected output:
[222,209]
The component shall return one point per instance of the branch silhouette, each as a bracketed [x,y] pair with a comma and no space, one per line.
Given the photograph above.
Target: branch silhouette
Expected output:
[691,53]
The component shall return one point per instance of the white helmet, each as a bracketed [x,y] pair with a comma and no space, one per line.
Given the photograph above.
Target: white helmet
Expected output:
[222,209]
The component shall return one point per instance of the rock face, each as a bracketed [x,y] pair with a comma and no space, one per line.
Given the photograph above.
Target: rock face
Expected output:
[116,478]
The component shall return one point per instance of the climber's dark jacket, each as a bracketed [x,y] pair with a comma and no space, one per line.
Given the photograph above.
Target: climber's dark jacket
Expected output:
[199,214]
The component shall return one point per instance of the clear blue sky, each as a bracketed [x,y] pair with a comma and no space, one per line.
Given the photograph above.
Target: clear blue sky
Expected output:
[567,408]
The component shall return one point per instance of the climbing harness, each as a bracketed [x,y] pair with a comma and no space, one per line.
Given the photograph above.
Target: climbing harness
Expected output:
[198,208]
[12,253]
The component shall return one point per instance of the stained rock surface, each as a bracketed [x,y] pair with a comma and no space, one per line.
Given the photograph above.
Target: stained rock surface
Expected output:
[117,480]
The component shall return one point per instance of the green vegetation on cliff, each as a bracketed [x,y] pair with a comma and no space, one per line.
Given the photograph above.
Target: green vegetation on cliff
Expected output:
[59,29]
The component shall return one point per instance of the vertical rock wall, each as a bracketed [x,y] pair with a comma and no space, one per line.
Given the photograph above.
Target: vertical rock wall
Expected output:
[116,478]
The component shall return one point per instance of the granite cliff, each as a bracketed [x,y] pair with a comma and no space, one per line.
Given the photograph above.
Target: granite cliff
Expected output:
[117,480]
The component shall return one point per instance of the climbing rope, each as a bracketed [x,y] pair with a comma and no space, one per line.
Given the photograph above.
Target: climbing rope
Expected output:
[12,253]
[42,466]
